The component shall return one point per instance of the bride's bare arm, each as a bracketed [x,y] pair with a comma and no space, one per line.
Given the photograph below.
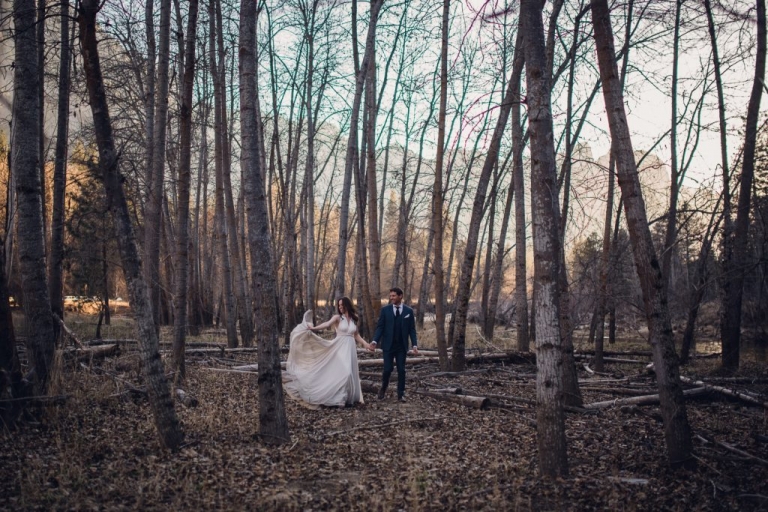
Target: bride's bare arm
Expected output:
[333,321]
[362,342]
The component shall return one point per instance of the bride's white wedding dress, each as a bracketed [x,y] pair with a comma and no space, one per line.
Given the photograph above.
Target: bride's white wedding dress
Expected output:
[320,371]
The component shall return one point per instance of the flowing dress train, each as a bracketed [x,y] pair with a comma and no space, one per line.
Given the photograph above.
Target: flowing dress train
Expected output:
[320,371]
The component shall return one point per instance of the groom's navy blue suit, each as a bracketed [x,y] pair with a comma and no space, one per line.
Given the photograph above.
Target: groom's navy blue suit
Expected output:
[392,334]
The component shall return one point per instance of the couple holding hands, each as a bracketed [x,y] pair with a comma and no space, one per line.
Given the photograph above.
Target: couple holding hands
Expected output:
[325,372]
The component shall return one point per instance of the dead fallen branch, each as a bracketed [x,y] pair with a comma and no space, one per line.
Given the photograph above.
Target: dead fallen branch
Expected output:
[735,450]
[475,402]
[642,400]
[611,359]
[91,353]
[725,391]
[506,357]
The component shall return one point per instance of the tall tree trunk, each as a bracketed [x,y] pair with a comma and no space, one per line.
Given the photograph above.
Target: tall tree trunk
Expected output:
[149,96]
[185,178]
[25,159]
[237,268]
[154,211]
[273,423]
[437,200]
[521,277]
[9,358]
[374,241]
[221,235]
[56,253]
[351,156]
[676,428]
[467,265]
[160,400]
[309,173]
[674,185]
[736,265]
[605,255]
[41,118]
[550,431]
[608,249]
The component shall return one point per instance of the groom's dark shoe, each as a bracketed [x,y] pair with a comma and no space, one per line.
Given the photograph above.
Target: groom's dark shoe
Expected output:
[380,396]
[401,399]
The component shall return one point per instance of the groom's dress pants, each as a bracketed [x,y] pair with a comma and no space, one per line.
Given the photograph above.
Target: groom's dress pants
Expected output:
[398,357]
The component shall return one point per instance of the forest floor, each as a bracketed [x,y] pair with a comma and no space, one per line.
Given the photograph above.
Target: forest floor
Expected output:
[99,450]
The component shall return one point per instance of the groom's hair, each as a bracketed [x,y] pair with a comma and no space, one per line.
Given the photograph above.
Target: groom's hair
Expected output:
[397,290]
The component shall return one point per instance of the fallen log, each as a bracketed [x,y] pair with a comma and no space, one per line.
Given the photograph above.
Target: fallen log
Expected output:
[508,357]
[91,353]
[642,400]
[475,402]
[611,359]
[618,391]
[725,391]
[72,336]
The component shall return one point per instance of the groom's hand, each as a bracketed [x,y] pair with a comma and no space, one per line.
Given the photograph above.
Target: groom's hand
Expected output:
[415,351]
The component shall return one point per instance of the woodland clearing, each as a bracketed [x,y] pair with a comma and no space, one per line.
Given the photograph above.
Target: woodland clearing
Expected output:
[97,448]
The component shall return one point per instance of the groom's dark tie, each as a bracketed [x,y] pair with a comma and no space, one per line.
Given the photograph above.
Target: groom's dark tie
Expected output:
[397,310]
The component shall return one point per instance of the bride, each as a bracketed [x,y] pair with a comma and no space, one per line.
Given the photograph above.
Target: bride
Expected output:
[324,372]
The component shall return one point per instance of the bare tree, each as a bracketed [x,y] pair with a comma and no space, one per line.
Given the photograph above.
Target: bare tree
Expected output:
[160,400]
[361,73]
[272,418]
[184,183]
[676,428]
[437,201]
[521,277]
[550,430]
[56,255]
[734,265]
[25,159]
[154,211]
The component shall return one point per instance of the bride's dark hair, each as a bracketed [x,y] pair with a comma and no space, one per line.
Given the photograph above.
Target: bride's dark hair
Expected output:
[347,303]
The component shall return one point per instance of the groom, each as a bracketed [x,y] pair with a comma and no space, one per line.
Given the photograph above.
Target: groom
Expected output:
[396,324]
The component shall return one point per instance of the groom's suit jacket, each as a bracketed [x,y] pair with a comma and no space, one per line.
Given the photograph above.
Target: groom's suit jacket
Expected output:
[385,328]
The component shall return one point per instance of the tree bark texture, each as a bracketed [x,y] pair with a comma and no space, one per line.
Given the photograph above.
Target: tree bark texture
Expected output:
[154,210]
[25,164]
[160,399]
[550,418]
[184,183]
[273,423]
[736,265]
[676,428]
[56,253]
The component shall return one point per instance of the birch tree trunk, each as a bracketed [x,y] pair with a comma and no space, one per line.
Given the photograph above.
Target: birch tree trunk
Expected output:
[184,182]
[273,423]
[56,255]
[25,160]
[550,430]
[160,400]
[736,265]
[676,428]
